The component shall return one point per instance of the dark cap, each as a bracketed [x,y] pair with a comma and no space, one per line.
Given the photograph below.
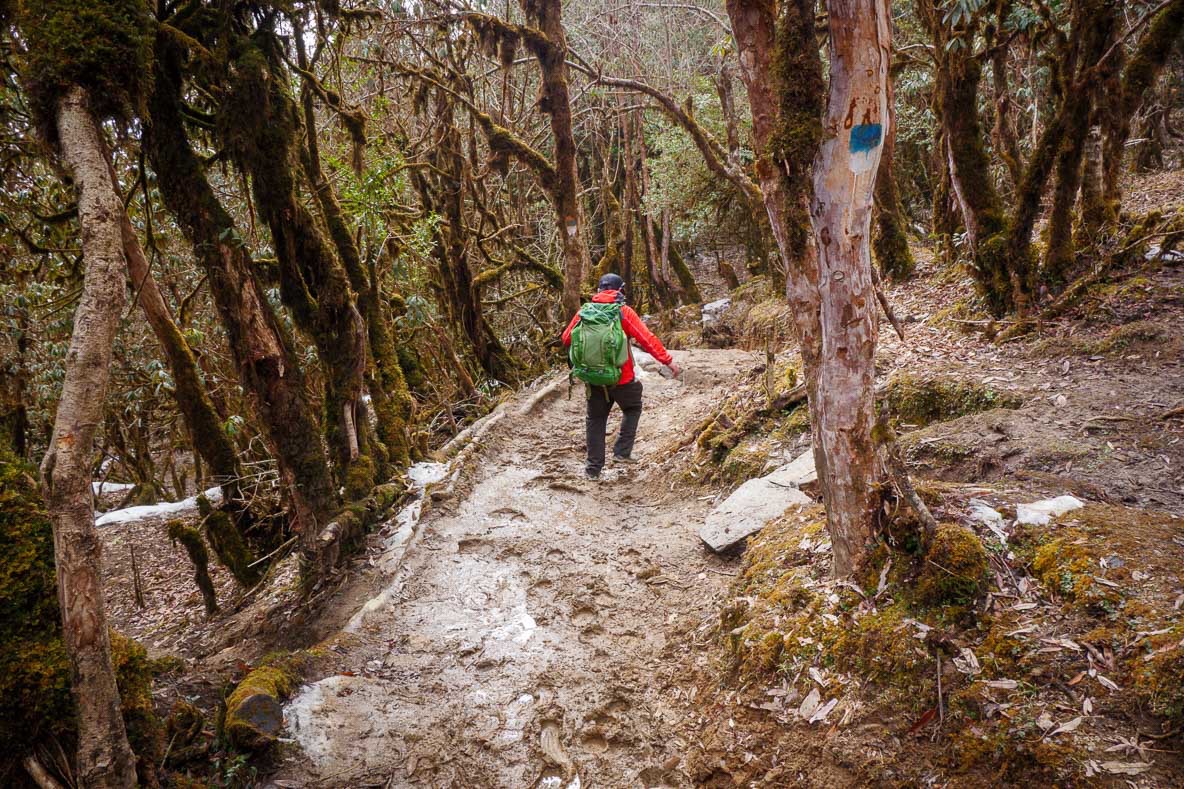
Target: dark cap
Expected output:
[610,282]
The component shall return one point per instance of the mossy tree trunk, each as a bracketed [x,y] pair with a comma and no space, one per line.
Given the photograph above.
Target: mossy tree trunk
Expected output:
[1138,77]
[1094,26]
[890,240]
[555,103]
[203,422]
[391,398]
[829,282]
[260,124]
[268,369]
[105,758]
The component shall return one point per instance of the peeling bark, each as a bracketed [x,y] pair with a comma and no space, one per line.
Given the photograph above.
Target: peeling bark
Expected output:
[829,277]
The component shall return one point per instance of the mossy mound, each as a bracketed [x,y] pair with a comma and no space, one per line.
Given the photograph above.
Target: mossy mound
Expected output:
[35,700]
[923,400]
[1115,571]
[955,568]
[788,618]
[1124,339]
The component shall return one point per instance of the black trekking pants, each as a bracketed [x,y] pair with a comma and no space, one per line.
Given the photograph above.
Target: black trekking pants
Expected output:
[600,402]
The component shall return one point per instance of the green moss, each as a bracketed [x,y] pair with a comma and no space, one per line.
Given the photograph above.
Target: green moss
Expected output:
[359,478]
[104,46]
[190,539]
[1066,566]
[1159,673]
[35,700]
[954,570]
[228,544]
[1130,335]
[145,733]
[923,400]
[253,712]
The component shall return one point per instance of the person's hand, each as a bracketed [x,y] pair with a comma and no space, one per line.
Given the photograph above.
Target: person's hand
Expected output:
[675,370]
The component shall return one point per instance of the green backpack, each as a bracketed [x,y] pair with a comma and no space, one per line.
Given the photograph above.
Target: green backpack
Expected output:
[599,348]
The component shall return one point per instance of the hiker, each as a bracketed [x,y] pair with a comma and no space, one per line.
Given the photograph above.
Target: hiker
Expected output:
[598,337]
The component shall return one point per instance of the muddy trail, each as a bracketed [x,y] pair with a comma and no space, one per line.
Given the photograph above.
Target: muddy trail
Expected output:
[526,640]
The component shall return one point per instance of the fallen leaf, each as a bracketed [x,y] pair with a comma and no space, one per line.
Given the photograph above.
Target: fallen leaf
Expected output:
[1107,682]
[1002,684]
[1125,768]
[924,720]
[823,711]
[1067,727]
[809,704]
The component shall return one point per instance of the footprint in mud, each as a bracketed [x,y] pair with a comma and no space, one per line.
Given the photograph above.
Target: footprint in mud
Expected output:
[562,773]
[470,546]
[594,742]
[584,617]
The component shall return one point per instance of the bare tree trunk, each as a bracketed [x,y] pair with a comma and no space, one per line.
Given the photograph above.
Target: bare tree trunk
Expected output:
[829,282]
[844,180]
[104,757]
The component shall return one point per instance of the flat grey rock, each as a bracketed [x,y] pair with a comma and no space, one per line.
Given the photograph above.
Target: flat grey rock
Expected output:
[756,502]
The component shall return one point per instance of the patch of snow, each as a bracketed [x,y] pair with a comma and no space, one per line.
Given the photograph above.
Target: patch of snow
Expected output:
[100,488]
[519,629]
[1039,513]
[424,474]
[1155,252]
[714,310]
[984,513]
[168,509]
[393,548]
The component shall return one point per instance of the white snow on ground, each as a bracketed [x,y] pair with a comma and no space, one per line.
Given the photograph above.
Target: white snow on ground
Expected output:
[168,509]
[714,310]
[1039,513]
[421,475]
[100,488]
[424,474]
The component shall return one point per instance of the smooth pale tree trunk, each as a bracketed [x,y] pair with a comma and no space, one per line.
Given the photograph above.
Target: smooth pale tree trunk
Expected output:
[104,757]
[828,264]
[844,182]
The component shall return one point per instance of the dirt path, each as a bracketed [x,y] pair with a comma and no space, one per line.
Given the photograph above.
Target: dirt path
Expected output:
[525,641]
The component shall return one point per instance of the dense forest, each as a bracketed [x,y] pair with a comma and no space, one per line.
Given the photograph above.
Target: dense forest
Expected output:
[291,455]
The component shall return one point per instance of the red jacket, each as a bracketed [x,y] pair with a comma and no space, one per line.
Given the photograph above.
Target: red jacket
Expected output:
[635,329]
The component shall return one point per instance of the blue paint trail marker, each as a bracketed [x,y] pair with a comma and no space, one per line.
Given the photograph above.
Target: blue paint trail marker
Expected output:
[865,139]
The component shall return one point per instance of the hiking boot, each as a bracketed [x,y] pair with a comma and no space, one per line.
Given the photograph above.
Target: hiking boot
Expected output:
[591,474]
[624,459]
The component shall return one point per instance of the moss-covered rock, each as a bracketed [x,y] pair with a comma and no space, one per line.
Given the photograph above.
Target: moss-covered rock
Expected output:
[955,568]
[922,400]
[254,711]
